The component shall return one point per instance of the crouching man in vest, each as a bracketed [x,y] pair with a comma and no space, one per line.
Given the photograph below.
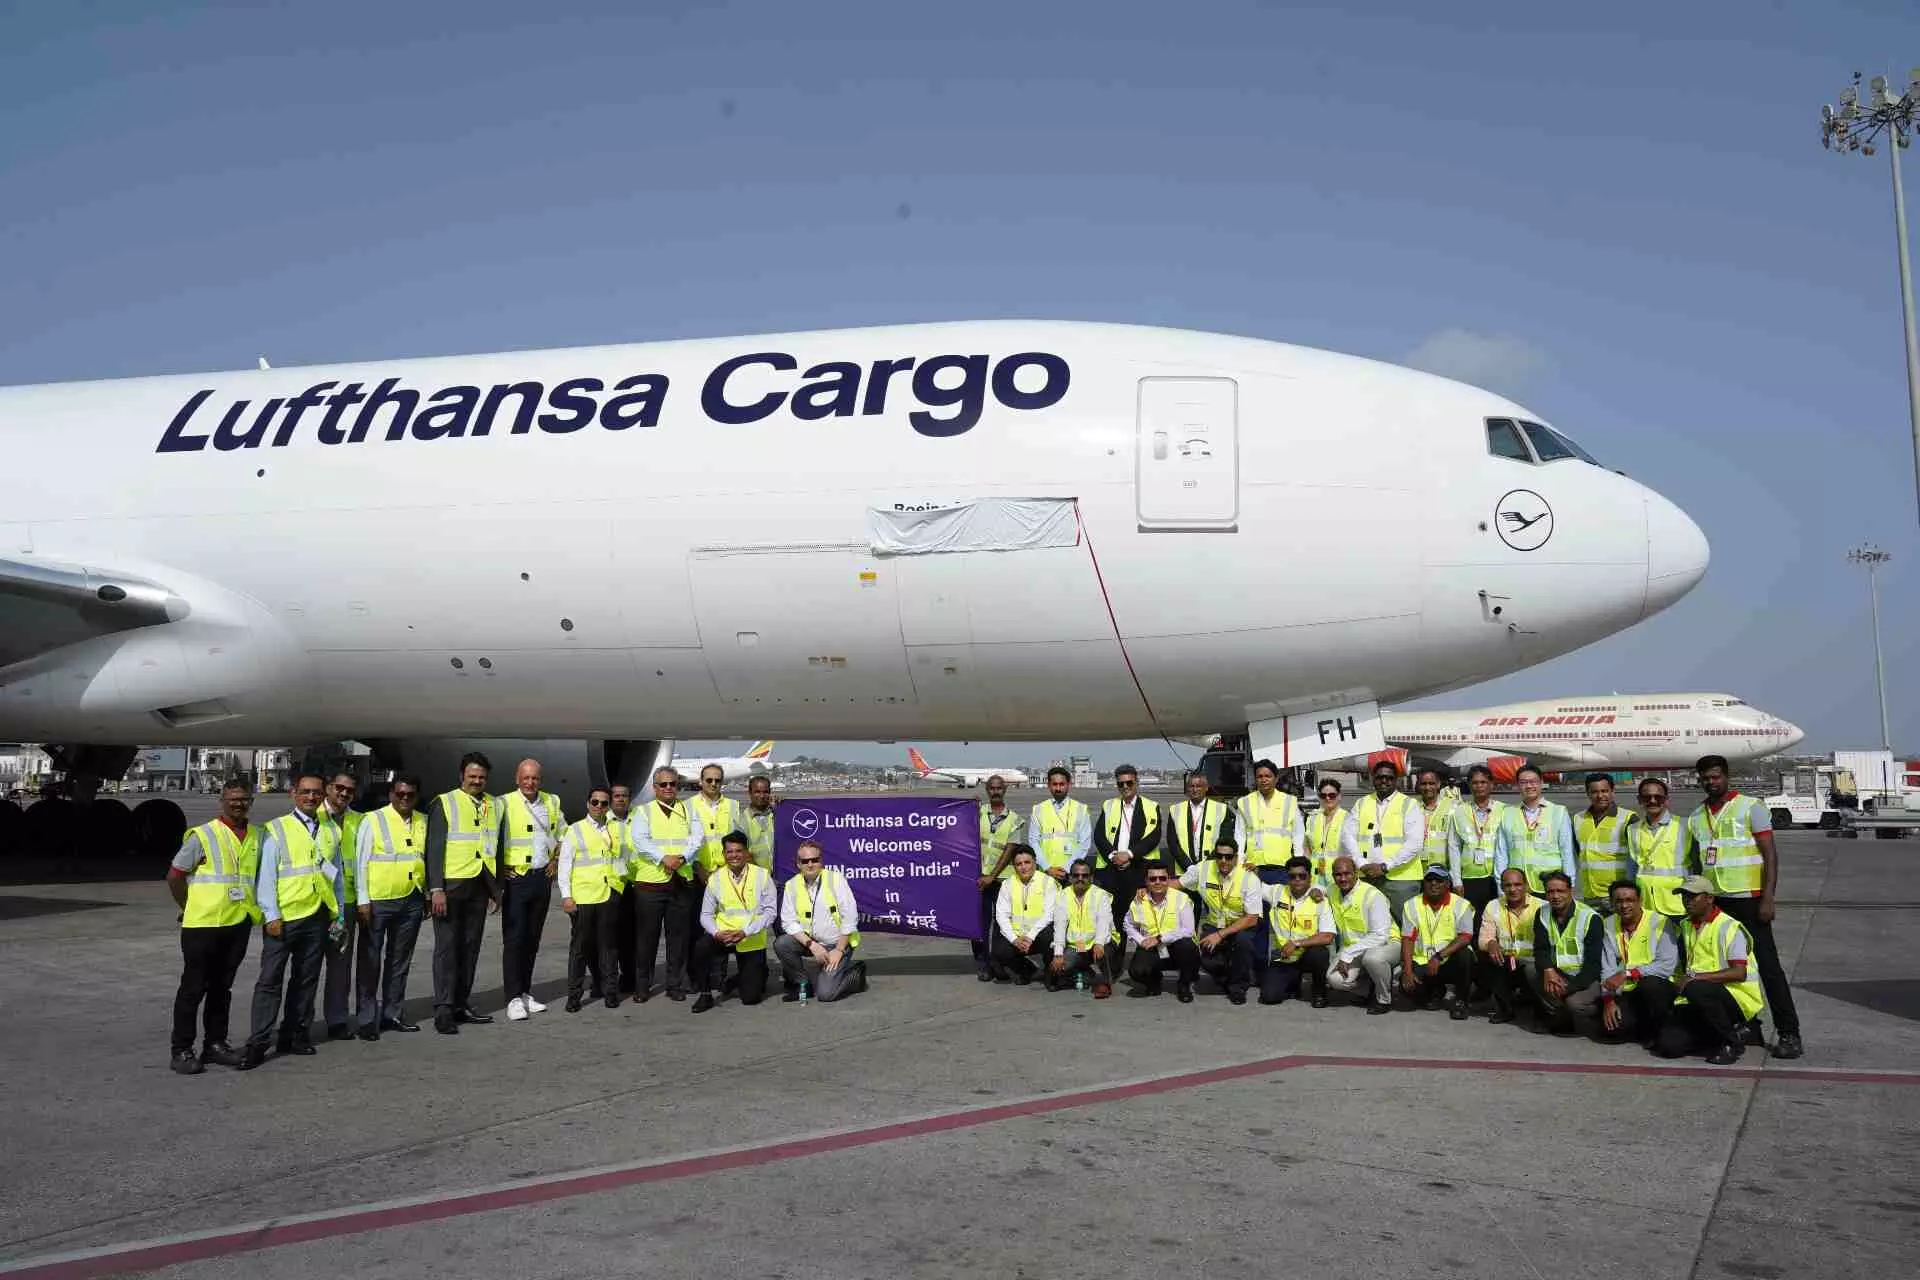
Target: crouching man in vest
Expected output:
[299,892]
[1160,926]
[1639,956]
[1023,918]
[1566,951]
[736,916]
[1720,991]
[1084,933]
[1303,932]
[1234,898]
[592,875]
[1436,945]
[1369,940]
[819,927]
[1507,969]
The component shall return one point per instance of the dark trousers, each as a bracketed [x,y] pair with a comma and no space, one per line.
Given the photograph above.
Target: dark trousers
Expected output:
[1709,1019]
[1479,891]
[523,918]
[1145,965]
[1122,883]
[983,945]
[1645,1009]
[1456,972]
[1007,959]
[1508,982]
[304,943]
[1106,969]
[709,955]
[1231,964]
[671,910]
[386,957]
[626,938]
[210,958]
[1786,1019]
[456,943]
[1283,977]
[593,944]
[338,982]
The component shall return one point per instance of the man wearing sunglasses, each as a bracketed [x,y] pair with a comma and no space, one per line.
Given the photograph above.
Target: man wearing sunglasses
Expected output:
[1302,929]
[1662,852]
[1233,896]
[666,844]
[1084,933]
[463,844]
[819,927]
[1160,925]
[390,880]
[338,983]
[299,893]
[592,875]
[1125,839]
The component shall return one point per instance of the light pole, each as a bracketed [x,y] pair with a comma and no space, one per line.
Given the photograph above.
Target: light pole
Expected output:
[1873,557]
[1859,125]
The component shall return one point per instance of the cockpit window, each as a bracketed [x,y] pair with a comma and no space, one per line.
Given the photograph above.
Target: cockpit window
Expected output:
[1578,452]
[1503,440]
[1549,446]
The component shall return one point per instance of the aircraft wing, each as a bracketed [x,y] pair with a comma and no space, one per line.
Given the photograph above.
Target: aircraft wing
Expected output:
[45,606]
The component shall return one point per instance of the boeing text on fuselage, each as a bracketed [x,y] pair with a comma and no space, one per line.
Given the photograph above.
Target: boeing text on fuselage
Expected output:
[951,390]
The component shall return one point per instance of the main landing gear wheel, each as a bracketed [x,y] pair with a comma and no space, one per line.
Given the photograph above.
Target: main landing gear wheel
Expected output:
[53,828]
[158,828]
[13,829]
[106,829]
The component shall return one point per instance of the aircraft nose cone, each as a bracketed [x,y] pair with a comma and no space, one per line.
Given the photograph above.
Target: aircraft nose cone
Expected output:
[1677,554]
[1790,735]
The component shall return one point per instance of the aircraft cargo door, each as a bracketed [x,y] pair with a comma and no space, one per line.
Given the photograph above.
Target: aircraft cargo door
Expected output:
[800,626]
[1187,454]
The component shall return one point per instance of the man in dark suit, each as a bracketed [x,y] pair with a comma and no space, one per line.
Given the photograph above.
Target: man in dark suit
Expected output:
[1126,836]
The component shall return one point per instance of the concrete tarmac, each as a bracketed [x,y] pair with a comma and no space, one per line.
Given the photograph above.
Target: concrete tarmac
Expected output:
[940,1127]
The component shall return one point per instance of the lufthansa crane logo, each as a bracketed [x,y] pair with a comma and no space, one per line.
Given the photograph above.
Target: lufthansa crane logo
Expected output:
[1523,520]
[806,824]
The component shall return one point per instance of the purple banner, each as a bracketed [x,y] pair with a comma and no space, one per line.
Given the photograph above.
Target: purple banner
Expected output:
[913,863]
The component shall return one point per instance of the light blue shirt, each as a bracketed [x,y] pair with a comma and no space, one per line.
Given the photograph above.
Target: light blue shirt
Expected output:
[1080,834]
[266,887]
[640,831]
[1562,836]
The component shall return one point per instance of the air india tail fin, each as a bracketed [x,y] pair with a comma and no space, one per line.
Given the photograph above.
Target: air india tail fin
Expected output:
[918,761]
[761,750]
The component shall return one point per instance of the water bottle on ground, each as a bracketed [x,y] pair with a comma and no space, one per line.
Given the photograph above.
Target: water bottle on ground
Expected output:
[1079,979]
[803,991]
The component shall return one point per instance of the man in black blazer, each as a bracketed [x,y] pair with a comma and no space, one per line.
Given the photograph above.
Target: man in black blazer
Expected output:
[1126,836]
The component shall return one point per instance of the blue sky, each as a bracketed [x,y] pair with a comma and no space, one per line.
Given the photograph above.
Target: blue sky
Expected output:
[1620,215]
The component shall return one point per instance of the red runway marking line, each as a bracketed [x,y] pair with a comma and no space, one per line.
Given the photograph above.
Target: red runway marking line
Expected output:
[355,1220]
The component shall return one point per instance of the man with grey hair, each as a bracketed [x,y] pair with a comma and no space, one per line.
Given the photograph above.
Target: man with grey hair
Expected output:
[819,930]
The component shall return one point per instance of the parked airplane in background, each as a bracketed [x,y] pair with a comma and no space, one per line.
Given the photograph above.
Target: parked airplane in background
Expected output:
[915,522]
[1615,731]
[960,776]
[758,759]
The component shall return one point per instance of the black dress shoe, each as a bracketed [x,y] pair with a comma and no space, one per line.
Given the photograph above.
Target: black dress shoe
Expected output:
[1237,997]
[613,1001]
[1185,993]
[468,1015]
[1788,1045]
[1726,1054]
[184,1063]
[301,1049]
[1320,1001]
[704,1003]
[1022,979]
[789,996]
[1379,1006]
[573,1004]
[445,1025]
[593,992]
[371,1034]
[398,1024]
[220,1054]
[1499,1016]
[676,995]
[641,997]
[338,1031]
[250,1057]
[1141,993]
[983,976]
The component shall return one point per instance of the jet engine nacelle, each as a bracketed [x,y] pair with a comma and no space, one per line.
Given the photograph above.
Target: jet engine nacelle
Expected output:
[568,766]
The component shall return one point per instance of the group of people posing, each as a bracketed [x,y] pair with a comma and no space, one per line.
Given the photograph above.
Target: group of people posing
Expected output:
[1622,925]
[337,893]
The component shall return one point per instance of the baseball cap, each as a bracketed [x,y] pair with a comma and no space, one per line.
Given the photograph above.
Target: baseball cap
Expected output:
[1437,872]
[1696,884]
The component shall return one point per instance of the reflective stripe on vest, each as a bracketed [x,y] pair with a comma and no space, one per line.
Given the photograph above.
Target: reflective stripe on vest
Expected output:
[1636,948]
[1217,894]
[1729,855]
[305,879]
[1430,925]
[994,839]
[1439,820]
[1054,835]
[473,830]
[220,889]
[759,831]
[598,871]
[1569,944]
[1266,828]
[1383,835]
[1535,849]
[1659,865]
[1027,909]
[1350,913]
[715,825]
[1110,819]
[1707,953]
[1323,843]
[1599,853]
[521,824]
[1089,918]
[1213,816]
[1294,919]
[1515,929]
[346,838]
[671,830]
[804,904]
[1477,837]
[397,860]
[735,902]
[1155,921]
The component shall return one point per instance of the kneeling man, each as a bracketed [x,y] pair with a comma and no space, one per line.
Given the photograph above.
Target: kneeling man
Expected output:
[819,926]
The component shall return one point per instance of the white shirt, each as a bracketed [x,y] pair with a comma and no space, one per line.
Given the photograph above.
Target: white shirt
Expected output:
[1123,838]
[818,924]
[1378,915]
[543,837]
[640,831]
[1415,846]
[1003,906]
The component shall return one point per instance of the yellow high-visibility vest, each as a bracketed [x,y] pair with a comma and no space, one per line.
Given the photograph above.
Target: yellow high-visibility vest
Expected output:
[670,829]
[1383,833]
[598,870]
[1636,947]
[1660,858]
[1729,855]
[518,850]
[220,889]
[1707,953]
[1266,828]
[1089,918]
[995,837]
[397,859]
[1599,854]
[1110,818]
[1350,913]
[716,824]
[1477,837]
[735,902]
[305,880]
[473,832]
[803,902]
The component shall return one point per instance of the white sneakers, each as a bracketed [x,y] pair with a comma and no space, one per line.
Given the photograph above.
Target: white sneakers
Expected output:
[533,1006]
[516,1010]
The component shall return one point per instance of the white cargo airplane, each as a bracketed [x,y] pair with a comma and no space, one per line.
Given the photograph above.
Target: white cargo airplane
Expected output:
[1614,731]
[960,775]
[1000,530]
[758,759]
